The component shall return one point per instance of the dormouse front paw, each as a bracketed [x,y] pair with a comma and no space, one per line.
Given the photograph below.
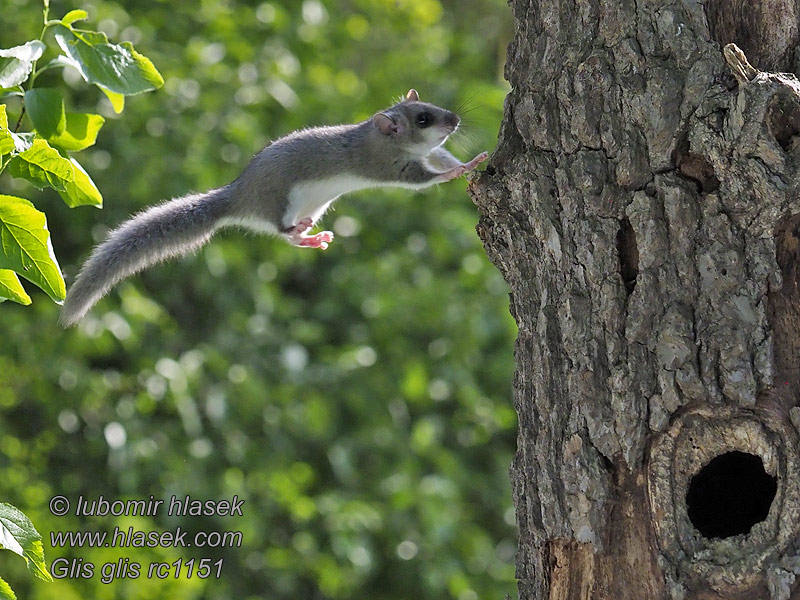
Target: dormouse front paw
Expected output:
[465,168]
[476,161]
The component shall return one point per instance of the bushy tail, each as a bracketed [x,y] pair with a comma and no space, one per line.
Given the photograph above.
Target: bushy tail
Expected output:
[169,229]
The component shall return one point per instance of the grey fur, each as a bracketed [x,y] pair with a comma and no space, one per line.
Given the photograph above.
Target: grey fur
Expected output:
[393,148]
[169,229]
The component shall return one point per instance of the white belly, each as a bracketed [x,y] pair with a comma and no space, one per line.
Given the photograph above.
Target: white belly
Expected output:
[310,199]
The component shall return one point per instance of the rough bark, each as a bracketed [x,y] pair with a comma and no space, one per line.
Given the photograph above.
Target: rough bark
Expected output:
[643,206]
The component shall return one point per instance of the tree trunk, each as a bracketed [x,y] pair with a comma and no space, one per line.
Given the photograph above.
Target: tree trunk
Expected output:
[643,206]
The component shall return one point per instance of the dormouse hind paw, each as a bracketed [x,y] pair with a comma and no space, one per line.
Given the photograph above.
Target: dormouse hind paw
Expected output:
[296,235]
[318,240]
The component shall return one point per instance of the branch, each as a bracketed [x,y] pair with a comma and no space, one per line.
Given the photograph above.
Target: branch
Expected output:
[739,65]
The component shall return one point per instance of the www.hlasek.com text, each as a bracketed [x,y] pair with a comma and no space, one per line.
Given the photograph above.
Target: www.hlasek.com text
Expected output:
[133,538]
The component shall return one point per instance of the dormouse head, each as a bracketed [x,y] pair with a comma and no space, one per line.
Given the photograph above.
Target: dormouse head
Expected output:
[418,126]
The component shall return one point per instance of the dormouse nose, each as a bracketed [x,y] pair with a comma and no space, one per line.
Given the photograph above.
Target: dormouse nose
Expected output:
[452,120]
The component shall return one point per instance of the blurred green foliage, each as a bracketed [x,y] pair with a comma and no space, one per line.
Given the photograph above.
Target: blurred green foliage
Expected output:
[358,399]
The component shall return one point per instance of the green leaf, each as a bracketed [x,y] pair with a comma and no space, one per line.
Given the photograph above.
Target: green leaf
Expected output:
[25,247]
[18,534]
[119,68]
[6,593]
[74,15]
[91,37]
[117,100]
[42,165]
[6,140]
[81,191]
[36,563]
[80,131]
[145,65]
[16,63]
[10,141]
[11,289]
[45,106]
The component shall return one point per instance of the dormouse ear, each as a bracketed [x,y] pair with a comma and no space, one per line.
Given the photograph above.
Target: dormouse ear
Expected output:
[412,96]
[385,124]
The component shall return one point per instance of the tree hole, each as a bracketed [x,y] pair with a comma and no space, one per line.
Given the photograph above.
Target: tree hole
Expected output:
[730,495]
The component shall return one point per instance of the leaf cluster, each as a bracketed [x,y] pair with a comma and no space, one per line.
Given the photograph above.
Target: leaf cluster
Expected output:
[43,155]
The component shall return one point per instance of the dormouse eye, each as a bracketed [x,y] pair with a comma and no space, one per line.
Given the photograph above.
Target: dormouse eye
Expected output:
[424,119]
